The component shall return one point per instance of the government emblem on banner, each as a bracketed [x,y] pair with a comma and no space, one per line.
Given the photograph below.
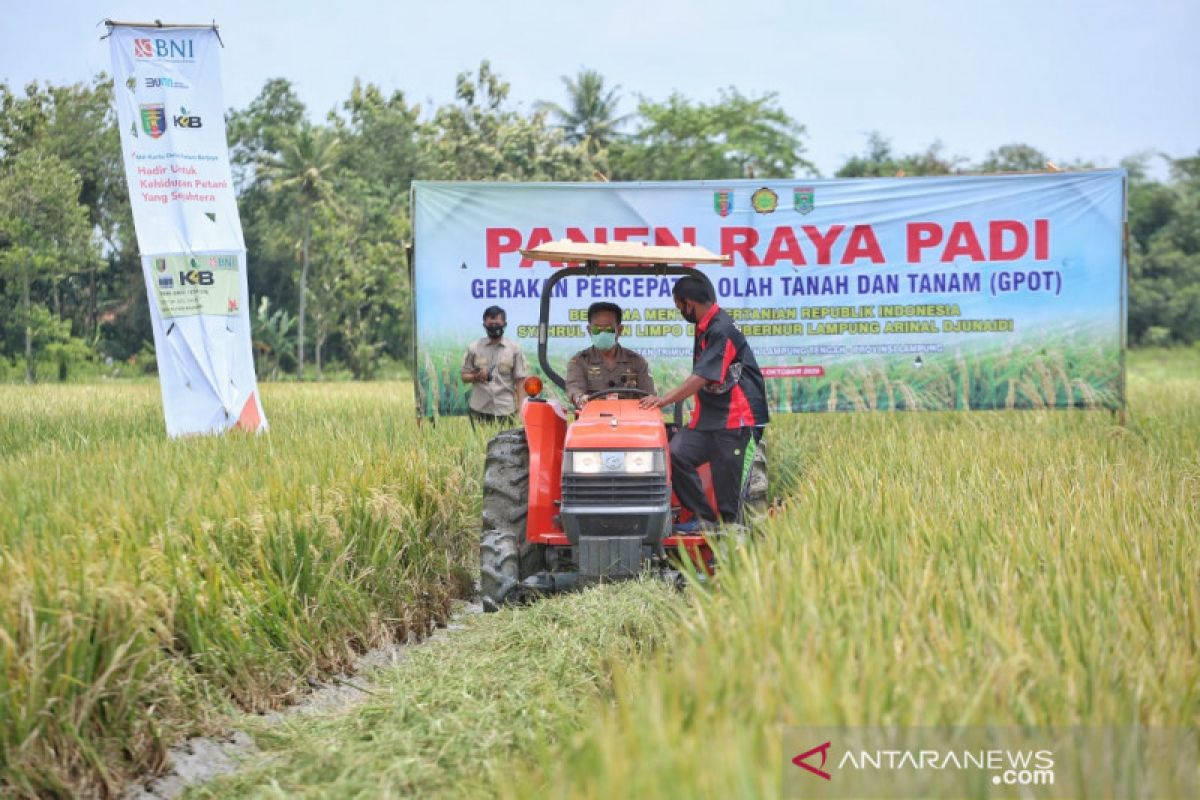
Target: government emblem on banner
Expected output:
[804,199]
[154,119]
[764,201]
[723,202]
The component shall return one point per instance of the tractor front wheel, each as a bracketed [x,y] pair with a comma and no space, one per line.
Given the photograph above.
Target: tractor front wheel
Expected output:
[505,558]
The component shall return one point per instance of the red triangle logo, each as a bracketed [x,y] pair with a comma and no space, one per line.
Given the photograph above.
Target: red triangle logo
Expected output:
[823,749]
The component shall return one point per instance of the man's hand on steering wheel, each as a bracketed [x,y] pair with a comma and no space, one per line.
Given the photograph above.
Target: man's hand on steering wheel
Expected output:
[627,391]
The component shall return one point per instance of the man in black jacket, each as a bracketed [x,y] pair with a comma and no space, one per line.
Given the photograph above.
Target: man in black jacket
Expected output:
[730,410]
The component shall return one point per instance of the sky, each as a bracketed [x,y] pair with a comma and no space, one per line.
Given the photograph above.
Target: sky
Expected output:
[1097,80]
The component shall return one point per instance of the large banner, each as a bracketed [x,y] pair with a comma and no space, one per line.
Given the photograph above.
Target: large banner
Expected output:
[167,87]
[984,292]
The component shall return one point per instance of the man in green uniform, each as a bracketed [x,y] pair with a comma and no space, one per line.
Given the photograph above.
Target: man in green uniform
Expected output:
[606,364]
[496,367]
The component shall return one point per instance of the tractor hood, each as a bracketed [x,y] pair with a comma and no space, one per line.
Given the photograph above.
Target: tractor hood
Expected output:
[617,424]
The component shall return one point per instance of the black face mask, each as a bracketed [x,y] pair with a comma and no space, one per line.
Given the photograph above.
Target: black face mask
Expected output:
[494,331]
[691,317]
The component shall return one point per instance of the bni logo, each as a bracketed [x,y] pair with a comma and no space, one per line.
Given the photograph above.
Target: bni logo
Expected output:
[170,49]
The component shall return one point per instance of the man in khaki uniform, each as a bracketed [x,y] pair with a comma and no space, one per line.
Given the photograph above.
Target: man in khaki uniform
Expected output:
[606,365]
[496,367]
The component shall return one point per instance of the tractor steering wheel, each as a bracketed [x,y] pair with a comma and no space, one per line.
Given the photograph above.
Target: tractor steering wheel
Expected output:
[617,390]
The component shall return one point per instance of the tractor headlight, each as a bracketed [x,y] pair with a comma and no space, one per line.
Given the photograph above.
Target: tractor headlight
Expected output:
[627,462]
[588,461]
[639,461]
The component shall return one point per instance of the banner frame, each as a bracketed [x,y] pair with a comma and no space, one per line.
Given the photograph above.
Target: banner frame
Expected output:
[436,201]
[160,25]
[1124,401]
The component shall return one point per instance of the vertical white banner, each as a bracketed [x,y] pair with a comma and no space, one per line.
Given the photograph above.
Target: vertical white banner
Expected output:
[167,89]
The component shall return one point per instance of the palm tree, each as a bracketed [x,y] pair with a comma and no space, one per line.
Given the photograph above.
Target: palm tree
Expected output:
[302,170]
[591,118]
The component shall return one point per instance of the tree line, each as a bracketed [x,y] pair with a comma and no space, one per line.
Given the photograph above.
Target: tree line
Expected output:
[324,207]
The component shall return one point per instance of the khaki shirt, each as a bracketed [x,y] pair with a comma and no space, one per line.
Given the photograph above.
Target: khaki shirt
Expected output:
[589,372]
[505,364]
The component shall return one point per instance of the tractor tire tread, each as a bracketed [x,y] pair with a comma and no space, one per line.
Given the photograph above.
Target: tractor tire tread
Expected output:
[505,558]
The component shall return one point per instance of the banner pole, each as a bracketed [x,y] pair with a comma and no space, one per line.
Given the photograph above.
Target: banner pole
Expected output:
[1124,293]
[158,23]
[414,355]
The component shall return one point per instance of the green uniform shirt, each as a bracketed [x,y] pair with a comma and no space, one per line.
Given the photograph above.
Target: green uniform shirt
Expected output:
[504,363]
[589,372]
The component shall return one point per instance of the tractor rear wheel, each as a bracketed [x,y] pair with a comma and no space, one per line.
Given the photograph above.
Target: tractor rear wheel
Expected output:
[505,558]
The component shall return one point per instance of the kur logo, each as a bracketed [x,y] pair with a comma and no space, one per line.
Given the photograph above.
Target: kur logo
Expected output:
[186,120]
[196,277]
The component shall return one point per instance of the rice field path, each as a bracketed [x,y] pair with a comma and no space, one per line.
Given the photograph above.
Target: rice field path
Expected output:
[204,758]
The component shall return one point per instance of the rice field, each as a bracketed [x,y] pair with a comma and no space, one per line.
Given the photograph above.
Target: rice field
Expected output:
[1034,569]
[937,568]
[150,585]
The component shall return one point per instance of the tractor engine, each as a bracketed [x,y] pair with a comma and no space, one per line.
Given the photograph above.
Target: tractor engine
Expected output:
[616,501]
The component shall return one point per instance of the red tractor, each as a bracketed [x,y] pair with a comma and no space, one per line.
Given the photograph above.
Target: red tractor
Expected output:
[567,502]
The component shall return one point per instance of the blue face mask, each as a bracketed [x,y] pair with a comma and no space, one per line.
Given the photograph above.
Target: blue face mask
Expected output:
[605,340]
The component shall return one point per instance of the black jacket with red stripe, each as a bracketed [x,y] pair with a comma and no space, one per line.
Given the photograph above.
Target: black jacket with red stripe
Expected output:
[734,395]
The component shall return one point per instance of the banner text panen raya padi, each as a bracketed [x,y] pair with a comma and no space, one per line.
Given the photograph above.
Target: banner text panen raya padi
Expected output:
[933,293]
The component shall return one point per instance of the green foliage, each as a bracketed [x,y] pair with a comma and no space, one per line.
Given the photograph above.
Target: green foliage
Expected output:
[325,204]
[590,117]
[1164,256]
[736,137]
[273,342]
[77,125]
[56,352]
[301,175]
[357,288]
[1014,158]
[481,138]
[383,136]
[302,168]
[258,131]
[880,161]
[44,235]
